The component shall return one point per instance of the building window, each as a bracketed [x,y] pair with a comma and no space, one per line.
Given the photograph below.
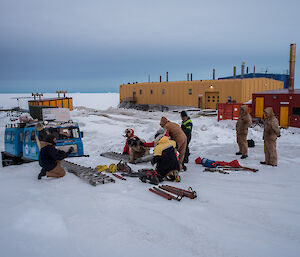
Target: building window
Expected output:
[141,91]
[190,91]
[12,136]
[229,99]
[296,111]
[151,92]
[163,91]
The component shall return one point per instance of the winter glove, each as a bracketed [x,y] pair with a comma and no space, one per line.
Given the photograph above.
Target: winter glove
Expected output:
[142,143]
[152,161]
[71,149]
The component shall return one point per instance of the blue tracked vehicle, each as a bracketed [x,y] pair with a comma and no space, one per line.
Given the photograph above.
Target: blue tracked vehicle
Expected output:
[21,141]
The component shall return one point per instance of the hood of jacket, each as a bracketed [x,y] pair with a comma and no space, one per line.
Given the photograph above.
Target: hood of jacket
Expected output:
[163,121]
[269,113]
[243,110]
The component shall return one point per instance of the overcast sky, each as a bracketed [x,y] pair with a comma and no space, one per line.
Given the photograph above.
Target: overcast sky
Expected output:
[95,45]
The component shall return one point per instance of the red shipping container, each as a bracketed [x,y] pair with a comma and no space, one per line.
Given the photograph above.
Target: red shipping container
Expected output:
[228,111]
[236,111]
[220,112]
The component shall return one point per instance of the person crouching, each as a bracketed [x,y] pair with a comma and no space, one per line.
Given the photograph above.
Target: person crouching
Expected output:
[165,157]
[137,149]
[50,157]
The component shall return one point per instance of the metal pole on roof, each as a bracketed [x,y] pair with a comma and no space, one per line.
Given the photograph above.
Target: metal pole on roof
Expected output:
[214,73]
[167,76]
[292,66]
[234,72]
[253,71]
[191,76]
[242,69]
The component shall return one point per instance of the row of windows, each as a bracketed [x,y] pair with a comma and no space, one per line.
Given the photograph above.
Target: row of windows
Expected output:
[10,136]
[163,91]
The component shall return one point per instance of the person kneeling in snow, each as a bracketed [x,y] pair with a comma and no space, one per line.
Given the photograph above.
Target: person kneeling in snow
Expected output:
[50,158]
[165,157]
[137,148]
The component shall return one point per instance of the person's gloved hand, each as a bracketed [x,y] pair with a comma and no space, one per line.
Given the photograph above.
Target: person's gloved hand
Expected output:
[71,149]
[142,143]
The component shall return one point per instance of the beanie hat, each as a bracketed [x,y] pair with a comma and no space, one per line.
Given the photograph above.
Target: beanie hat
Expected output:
[183,114]
[50,139]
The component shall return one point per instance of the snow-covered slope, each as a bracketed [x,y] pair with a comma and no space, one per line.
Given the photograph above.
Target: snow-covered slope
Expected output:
[237,214]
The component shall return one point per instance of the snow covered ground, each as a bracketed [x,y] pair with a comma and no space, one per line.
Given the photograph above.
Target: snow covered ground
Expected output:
[239,214]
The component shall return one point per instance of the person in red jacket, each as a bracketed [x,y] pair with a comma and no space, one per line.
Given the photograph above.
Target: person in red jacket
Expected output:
[129,133]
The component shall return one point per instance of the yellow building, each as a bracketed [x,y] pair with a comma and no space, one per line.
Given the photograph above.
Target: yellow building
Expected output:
[199,93]
[59,102]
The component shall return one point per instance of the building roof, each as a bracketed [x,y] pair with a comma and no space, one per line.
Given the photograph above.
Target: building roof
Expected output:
[284,91]
[49,99]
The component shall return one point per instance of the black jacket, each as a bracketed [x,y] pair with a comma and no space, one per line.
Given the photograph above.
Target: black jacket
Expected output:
[49,156]
[187,127]
[165,156]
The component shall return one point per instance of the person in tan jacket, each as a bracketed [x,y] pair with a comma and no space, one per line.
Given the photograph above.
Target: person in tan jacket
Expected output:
[176,134]
[242,125]
[271,132]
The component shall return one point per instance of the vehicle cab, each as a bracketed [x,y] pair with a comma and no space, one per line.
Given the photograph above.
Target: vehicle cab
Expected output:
[67,135]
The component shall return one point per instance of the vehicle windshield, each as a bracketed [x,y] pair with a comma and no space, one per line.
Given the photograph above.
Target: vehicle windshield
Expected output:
[64,133]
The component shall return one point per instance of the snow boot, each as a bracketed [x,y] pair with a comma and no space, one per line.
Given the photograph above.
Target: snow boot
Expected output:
[238,153]
[174,176]
[42,174]
[244,156]
[184,168]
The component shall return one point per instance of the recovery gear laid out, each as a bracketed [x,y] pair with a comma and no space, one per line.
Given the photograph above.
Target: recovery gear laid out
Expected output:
[125,157]
[233,165]
[174,193]
[206,162]
[149,175]
[126,170]
[87,173]
[165,194]
[119,177]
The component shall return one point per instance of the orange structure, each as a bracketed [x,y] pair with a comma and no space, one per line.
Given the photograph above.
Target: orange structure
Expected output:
[205,94]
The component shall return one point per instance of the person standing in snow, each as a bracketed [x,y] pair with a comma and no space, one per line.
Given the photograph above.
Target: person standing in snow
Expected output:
[187,127]
[50,157]
[271,132]
[177,134]
[242,125]
[129,133]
